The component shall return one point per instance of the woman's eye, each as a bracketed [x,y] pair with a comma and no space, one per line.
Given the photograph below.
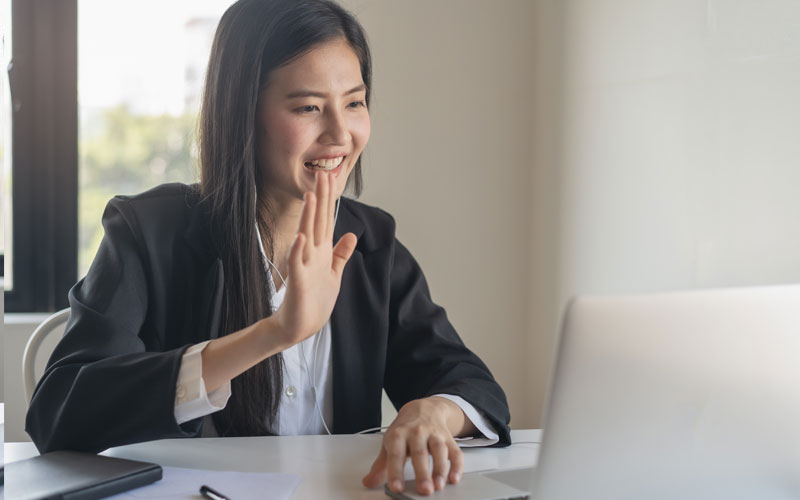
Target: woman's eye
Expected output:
[357,104]
[307,109]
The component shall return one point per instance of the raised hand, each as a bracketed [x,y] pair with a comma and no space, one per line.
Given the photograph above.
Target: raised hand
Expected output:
[315,266]
[315,276]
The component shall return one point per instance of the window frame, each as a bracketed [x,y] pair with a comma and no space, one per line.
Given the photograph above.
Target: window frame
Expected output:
[43,77]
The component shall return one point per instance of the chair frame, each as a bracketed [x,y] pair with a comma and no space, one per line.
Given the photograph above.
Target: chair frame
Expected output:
[32,348]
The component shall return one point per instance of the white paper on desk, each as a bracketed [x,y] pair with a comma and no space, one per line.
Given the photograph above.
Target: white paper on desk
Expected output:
[180,484]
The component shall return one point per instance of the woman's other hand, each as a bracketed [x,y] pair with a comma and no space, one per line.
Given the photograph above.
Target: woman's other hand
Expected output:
[315,266]
[423,428]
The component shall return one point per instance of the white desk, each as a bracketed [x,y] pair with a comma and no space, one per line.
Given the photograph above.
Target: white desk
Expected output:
[331,466]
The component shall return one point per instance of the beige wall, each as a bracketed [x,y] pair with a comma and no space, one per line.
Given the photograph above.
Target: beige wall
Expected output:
[451,157]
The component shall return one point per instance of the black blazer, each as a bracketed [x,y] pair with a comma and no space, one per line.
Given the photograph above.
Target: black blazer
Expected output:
[155,288]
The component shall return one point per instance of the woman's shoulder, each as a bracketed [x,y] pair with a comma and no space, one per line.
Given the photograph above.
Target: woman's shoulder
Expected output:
[165,201]
[167,209]
[366,213]
[163,195]
[374,227]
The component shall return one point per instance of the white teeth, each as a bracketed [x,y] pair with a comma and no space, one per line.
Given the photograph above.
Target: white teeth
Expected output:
[326,164]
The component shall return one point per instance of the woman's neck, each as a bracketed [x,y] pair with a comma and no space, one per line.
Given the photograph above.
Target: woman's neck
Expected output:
[283,217]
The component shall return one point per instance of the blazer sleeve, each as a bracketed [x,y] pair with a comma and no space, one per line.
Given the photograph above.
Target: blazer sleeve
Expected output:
[103,385]
[425,355]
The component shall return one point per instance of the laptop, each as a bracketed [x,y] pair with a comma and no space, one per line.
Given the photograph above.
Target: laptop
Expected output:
[687,395]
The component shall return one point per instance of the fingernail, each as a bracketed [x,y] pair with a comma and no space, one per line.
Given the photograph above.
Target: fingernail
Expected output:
[457,476]
[439,480]
[427,485]
[397,485]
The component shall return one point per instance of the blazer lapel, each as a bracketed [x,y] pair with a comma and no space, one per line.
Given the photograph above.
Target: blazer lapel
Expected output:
[198,231]
[210,292]
[356,402]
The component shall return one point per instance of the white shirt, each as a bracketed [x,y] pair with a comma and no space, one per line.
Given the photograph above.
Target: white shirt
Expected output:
[308,361]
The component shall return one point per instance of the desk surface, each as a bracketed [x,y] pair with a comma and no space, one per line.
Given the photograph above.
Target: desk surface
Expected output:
[331,466]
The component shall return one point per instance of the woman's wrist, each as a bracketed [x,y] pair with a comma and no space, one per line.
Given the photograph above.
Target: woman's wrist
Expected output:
[227,357]
[273,336]
[457,422]
[277,333]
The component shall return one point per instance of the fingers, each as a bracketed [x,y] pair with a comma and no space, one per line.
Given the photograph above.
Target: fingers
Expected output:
[395,446]
[319,211]
[377,474]
[296,254]
[322,188]
[439,451]
[342,252]
[456,461]
[418,450]
[388,466]
[306,226]
[331,209]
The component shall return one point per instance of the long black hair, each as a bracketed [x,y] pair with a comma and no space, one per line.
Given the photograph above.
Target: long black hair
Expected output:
[254,37]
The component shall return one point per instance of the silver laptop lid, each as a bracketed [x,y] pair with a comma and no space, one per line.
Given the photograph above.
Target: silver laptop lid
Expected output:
[680,395]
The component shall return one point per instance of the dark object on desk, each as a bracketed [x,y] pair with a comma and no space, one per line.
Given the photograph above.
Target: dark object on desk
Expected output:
[209,492]
[71,475]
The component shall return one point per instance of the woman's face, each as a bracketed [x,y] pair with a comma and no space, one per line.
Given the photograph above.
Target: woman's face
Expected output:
[312,115]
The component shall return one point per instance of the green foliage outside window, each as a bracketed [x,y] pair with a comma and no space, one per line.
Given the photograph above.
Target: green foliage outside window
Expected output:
[122,152]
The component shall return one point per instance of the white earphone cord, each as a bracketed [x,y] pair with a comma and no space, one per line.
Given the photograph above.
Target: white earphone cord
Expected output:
[311,374]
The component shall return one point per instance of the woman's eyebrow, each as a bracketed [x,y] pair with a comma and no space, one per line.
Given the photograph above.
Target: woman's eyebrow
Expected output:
[312,93]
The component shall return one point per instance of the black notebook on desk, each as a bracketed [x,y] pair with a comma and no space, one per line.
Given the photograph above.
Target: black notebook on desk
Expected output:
[71,475]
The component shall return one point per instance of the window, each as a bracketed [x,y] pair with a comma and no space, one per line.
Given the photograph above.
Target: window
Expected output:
[5,146]
[138,100]
[109,94]
[42,78]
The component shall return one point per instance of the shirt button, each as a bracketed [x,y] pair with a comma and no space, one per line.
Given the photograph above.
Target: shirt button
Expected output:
[181,392]
[291,391]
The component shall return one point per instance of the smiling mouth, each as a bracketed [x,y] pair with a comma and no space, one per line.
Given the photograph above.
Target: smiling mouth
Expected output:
[326,164]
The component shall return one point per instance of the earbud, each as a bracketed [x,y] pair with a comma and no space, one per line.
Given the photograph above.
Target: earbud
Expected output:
[267,264]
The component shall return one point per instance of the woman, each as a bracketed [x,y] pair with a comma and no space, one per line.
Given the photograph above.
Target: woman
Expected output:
[225,308]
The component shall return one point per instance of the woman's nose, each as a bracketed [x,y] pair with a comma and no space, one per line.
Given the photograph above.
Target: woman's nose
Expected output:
[336,131]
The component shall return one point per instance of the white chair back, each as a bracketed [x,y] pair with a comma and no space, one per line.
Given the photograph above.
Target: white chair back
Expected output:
[32,348]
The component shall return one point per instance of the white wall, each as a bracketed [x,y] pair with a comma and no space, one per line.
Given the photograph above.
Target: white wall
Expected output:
[678,163]
[681,144]
[544,306]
